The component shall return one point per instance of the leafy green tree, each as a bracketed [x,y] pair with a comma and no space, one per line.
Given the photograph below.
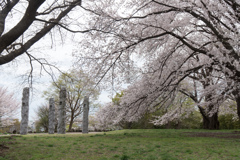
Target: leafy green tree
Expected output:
[228,121]
[16,126]
[42,116]
[116,99]
[78,85]
[228,116]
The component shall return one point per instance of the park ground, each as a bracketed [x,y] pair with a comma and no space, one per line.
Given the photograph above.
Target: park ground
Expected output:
[149,144]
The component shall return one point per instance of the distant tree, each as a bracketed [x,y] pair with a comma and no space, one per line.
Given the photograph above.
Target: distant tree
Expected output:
[175,111]
[228,117]
[117,98]
[15,128]
[42,118]
[199,89]
[228,121]
[78,85]
[9,107]
[105,117]
[180,113]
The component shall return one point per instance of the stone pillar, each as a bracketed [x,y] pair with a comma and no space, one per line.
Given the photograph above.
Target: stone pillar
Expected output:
[25,111]
[85,115]
[61,129]
[51,116]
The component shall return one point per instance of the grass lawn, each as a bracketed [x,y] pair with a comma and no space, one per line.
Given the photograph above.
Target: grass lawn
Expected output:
[124,144]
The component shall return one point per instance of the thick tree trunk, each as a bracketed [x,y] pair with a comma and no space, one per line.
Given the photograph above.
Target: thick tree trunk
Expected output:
[71,123]
[205,122]
[213,121]
[129,125]
[168,126]
[178,125]
[209,122]
[237,98]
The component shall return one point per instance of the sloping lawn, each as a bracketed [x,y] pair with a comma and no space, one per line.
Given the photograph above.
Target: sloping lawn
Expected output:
[124,144]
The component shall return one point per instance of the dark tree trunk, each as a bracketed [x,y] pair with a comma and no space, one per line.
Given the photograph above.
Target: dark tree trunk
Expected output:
[178,125]
[70,126]
[209,122]
[168,125]
[56,125]
[205,122]
[237,98]
[71,122]
[46,129]
[213,122]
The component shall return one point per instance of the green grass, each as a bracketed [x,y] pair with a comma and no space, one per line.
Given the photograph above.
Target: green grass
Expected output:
[122,145]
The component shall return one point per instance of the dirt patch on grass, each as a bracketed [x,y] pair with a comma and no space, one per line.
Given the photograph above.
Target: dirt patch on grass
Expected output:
[3,148]
[234,134]
[4,142]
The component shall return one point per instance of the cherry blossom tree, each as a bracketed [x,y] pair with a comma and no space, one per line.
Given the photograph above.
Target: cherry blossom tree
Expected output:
[105,118]
[180,109]
[168,36]
[177,113]
[201,80]
[9,107]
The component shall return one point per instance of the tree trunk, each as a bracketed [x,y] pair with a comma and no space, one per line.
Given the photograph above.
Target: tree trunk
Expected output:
[205,122]
[71,123]
[46,129]
[213,122]
[168,125]
[209,122]
[178,125]
[237,98]
[129,125]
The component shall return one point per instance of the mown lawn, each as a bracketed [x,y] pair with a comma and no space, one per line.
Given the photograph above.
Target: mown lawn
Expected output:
[125,144]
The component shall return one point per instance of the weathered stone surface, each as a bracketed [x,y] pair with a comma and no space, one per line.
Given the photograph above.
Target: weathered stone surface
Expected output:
[62,111]
[25,111]
[51,116]
[85,114]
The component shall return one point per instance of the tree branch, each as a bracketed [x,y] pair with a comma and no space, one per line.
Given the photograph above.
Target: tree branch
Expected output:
[12,55]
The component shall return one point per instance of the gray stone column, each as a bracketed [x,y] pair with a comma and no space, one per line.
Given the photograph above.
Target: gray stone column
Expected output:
[62,111]
[25,111]
[85,114]
[51,116]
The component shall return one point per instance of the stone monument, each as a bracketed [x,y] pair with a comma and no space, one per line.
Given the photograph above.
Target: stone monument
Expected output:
[24,111]
[61,129]
[85,114]
[51,116]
